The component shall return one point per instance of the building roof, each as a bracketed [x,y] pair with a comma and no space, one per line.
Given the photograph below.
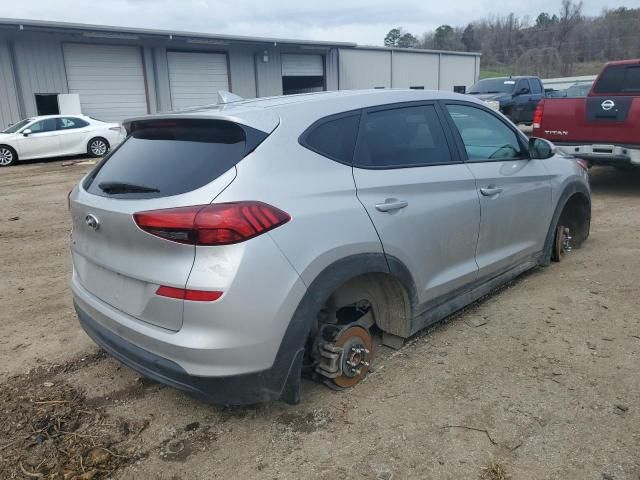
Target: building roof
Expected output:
[129,33]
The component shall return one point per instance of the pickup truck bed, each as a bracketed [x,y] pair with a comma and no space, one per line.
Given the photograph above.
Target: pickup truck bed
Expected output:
[603,128]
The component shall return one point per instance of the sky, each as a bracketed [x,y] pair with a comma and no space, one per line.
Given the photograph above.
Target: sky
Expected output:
[364,22]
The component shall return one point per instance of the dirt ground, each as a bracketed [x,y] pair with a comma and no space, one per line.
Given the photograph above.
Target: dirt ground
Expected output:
[539,381]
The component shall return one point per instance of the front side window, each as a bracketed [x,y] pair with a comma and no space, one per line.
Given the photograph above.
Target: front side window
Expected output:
[402,137]
[67,123]
[484,136]
[335,139]
[47,125]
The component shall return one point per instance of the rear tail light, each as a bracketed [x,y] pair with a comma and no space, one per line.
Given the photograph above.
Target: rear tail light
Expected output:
[116,129]
[537,116]
[213,224]
[186,294]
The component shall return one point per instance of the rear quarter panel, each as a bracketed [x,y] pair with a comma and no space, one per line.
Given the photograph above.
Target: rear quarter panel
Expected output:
[328,222]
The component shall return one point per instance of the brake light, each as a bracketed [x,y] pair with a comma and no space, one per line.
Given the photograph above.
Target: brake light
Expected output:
[537,116]
[213,224]
[186,294]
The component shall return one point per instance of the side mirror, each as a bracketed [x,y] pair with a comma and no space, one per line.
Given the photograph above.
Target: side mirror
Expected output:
[26,132]
[523,91]
[541,149]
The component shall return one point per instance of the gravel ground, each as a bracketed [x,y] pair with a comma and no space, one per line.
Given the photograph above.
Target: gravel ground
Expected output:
[539,380]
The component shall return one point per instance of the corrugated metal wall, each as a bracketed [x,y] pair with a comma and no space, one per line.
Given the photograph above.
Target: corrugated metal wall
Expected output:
[415,70]
[9,110]
[364,69]
[457,70]
[40,69]
[269,74]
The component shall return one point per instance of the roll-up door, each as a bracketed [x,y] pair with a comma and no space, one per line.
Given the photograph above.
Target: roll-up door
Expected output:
[302,65]
[195,78]
[109,79]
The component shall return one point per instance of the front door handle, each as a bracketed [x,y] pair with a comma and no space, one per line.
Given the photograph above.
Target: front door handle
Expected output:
[391,204]
[490,191]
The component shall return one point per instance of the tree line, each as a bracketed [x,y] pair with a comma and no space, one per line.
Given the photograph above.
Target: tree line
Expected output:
[554,44]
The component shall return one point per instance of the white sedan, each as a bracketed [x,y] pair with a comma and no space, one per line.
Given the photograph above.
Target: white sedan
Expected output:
[58,135]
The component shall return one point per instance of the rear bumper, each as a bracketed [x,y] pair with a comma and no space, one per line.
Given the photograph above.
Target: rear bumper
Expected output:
[604,154]
[272,384]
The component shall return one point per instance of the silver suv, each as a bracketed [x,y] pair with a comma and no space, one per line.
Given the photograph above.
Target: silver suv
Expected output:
[228,250]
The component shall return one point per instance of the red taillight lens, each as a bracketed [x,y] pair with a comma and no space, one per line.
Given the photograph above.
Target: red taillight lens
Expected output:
[185,294]
[583,164]
[537,115]
[214,224]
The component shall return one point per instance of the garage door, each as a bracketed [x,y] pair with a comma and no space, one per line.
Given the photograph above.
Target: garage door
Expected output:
[109,79]
[195,78]
[302,66]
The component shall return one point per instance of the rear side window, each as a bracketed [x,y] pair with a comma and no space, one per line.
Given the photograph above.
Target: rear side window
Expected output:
[536,86]
[402,137]
[67,123]
[619,79]
[335,138]
[164,158]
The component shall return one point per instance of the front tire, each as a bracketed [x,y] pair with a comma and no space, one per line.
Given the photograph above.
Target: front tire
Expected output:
[97,147]
[8,156]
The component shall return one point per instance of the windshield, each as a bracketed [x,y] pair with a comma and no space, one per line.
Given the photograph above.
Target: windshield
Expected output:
[493,85]
[17,126]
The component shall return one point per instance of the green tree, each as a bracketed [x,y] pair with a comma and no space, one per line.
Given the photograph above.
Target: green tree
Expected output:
[391,40]
[469,39]
[443,36]
[397,37]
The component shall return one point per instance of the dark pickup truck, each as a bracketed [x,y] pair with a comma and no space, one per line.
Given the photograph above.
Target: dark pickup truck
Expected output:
[517,96]
[604,127]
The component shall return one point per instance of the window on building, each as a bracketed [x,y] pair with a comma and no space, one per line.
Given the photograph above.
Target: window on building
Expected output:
[47,104]
[460,89]
[402,137]
[417,88]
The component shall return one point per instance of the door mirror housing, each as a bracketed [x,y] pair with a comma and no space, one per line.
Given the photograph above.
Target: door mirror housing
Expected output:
[26,132]
[541,149]
[523,91]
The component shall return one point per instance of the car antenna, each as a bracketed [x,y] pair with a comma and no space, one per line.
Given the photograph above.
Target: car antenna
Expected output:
[225,97]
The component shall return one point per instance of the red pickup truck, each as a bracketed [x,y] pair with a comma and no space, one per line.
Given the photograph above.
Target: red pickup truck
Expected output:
[604,127]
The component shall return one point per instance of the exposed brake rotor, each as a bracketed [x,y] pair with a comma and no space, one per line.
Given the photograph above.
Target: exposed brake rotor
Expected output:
[345,356]
[357,355]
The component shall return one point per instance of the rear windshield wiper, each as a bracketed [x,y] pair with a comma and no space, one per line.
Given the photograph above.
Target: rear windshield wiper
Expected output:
[123,187]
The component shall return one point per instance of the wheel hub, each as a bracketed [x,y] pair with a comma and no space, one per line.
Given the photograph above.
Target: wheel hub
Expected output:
[347,358]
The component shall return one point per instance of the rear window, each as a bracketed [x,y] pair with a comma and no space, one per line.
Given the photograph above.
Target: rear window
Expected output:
[335,139]
[165,158]
[619,79]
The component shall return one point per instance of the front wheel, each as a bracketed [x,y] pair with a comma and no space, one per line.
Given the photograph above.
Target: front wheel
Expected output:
[7,156]
[97,147]
[561,243]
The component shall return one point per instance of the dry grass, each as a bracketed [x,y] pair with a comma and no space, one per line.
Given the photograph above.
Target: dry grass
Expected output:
[495,471]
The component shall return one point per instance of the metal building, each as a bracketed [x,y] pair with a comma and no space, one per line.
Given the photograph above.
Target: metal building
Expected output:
[123,72]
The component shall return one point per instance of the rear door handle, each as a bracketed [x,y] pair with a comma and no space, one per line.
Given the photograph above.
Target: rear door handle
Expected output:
[391,204]
[490,191]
